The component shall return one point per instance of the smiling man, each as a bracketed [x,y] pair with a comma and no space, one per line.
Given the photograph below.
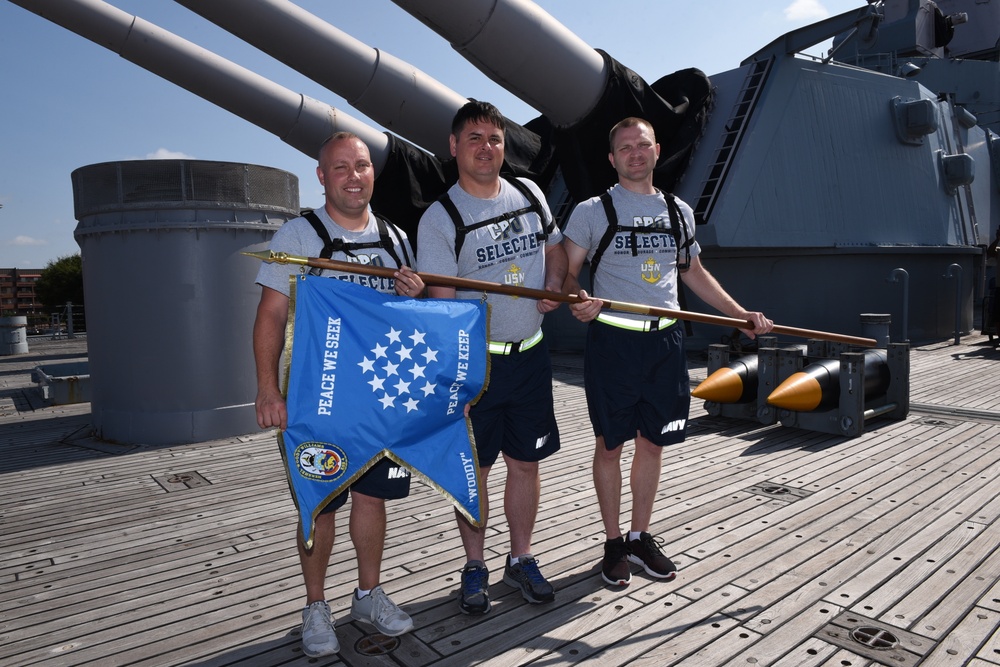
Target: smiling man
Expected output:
[345,171]
[638,240]
[500,230]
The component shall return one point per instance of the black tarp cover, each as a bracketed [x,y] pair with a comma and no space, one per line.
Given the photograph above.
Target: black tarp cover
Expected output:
[677,106]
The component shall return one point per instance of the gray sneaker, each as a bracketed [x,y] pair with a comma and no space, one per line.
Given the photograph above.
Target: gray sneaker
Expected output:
[318,637]
[376,608]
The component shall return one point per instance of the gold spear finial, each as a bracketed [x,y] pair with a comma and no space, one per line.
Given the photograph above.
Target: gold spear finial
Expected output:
[279,257]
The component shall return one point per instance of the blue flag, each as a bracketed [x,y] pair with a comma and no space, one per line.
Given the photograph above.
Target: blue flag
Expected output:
[373,376]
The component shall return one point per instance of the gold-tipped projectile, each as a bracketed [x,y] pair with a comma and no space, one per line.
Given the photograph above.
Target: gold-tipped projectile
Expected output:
[734,383]
[737,382]
[818,384]
[437,280]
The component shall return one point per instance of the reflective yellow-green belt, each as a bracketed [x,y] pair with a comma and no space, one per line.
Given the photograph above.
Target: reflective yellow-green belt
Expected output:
[635,325]
[514,348]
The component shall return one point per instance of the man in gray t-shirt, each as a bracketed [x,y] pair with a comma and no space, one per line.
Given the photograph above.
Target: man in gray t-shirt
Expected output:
[635,374]
[346,173]
[505,233]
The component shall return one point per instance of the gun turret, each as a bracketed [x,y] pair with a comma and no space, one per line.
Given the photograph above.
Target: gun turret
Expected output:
[795,165]
[581,92]
[391,92]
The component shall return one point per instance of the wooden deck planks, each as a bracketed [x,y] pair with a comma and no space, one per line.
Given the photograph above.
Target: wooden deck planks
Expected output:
[122,571]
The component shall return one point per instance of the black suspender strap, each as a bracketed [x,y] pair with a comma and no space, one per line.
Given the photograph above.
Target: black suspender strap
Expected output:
[321,231]
[388,244]
[462,230]
[535,205]
[331,245]
[677,230]
[609,233]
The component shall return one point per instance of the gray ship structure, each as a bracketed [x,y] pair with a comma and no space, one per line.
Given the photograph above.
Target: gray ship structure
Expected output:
[864,181]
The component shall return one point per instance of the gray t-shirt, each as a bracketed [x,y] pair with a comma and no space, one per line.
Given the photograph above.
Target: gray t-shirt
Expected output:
[649,277]
[507,251]
[297,237]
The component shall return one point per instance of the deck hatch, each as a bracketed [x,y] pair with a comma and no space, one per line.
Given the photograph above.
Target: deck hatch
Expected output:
[876,638]
[885,644]
[779,491]
[180,481]
[376,644]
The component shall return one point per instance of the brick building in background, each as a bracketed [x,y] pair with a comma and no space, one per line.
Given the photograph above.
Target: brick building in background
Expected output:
[17,292]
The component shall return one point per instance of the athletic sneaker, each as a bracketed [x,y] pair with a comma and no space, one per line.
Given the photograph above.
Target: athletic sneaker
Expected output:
[376,608]
[474,597]
[646,551]
[318,637]
[524,574]
[615,569]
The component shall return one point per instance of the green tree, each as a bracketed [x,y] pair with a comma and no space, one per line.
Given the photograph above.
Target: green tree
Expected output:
[61,281]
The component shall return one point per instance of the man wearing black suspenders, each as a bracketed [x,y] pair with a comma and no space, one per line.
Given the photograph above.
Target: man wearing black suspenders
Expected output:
[638,240]
[499,230]
[347,230]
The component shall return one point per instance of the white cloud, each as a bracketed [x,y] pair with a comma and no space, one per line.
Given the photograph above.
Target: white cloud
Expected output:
[27,241]
[166,154]
[805,10]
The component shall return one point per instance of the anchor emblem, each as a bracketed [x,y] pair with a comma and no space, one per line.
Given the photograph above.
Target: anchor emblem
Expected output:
[651,271]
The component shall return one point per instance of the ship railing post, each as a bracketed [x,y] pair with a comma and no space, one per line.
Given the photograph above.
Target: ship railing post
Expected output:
[900,275]
[69,320]
[955,271]
[898,392]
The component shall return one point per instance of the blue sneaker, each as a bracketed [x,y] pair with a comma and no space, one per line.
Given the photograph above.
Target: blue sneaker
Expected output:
[474,598]
[524,574]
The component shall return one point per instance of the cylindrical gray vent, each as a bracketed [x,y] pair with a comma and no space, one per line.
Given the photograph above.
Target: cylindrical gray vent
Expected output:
[170,299]
[13,335]
[876,325]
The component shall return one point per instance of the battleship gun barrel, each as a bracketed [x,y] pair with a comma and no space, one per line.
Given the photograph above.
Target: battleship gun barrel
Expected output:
[298,120]
[551,68]
[580,91]
[391,92]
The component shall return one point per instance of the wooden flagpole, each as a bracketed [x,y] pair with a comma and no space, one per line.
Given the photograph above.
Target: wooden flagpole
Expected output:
[438,280]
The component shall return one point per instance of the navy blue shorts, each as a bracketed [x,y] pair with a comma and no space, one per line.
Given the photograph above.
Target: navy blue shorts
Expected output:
[515,415]
[636,381]
[386,479]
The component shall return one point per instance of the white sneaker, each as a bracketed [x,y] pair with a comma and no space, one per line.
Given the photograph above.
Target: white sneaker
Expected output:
[376,608]
[318,637]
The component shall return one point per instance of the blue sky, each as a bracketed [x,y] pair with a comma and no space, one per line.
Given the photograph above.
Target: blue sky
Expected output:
[68,102]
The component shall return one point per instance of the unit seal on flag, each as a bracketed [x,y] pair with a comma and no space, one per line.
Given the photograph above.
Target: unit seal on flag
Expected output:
[321,461]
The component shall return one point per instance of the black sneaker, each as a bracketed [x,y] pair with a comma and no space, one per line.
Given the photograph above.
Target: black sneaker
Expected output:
[474,598]
[646,551]
[524,574]
[615,569]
